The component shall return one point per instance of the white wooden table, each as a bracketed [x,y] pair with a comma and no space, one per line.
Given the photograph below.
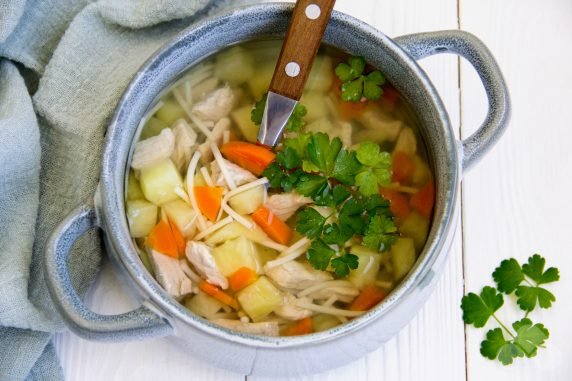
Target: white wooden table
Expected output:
[517,201]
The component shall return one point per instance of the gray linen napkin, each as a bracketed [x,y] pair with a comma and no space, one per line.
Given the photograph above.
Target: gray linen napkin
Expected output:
[80,54]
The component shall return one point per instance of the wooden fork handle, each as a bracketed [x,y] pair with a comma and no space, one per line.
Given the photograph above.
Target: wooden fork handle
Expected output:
[303,39]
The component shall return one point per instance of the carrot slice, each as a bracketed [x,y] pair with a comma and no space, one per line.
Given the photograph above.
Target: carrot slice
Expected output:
[351,110]
[368,298]
[398,203]
[209,200]
[161,239]
[241,278]
[389,98]
[423,200]
[179,239]
[272,225]
[249,156]
[301,327]
[403,167]
[218,294]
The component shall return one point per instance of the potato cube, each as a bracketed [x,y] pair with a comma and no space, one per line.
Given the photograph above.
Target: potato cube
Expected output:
[368,267]
[241,117]
[235,66]
[141,216]
[260,299]
[402,257]
[182,215]
[415,226]
[159,181]
[153,127]
[236,253]
[248,201]
[170,112]
[315,103]
[203,305]
[134,191]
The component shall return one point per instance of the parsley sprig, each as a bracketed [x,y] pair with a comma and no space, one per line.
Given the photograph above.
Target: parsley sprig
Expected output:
[347,182]
[524,281]
[357,85]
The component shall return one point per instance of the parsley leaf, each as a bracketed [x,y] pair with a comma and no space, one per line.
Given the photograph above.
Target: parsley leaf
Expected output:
[350,70]
[352,91]
[477,309]
[295,122]
[508,275]
[529,337]
[527,296]
[299,143]
[319,254]
[350,217]
[289,158]
[333,235]
[367,183]
[497,346]
[535,270]
[310,223]
[274,174]
[309,184]
[380,233]
[376,205]
[372,85]
[345,167]
[376,170]
[323,153]
[339,194]
[357,85]
[308,166]
[343,264]
[257,112]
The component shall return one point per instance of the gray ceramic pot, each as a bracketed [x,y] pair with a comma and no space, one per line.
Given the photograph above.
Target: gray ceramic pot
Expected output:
[159,314]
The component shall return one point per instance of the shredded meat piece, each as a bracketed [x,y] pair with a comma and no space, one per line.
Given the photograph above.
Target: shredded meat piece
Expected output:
[297,276]
[216,105]
[284,205]
[240,175]
[154,149]
[289,310]
[185,144]
[170,275]
[200,255]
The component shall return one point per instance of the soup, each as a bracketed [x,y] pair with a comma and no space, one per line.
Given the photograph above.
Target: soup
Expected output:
[285,241]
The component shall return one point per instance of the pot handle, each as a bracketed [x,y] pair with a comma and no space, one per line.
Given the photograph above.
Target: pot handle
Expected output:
[466,45]
[137,324]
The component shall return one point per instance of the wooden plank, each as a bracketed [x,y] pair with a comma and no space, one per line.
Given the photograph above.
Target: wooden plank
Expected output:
[512,207]
[433,343]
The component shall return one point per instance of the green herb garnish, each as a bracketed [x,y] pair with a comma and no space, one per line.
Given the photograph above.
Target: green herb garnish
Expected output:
[525,338]
[376,168]
[357,85]
[295,122]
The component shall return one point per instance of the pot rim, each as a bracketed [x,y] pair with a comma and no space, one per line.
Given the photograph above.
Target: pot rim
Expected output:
[112,207]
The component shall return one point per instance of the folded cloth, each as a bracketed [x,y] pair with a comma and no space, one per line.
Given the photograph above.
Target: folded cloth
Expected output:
[80,55]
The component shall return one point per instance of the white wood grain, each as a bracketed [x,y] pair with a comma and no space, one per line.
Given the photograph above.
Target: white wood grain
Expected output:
[517,200]
[430,347]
